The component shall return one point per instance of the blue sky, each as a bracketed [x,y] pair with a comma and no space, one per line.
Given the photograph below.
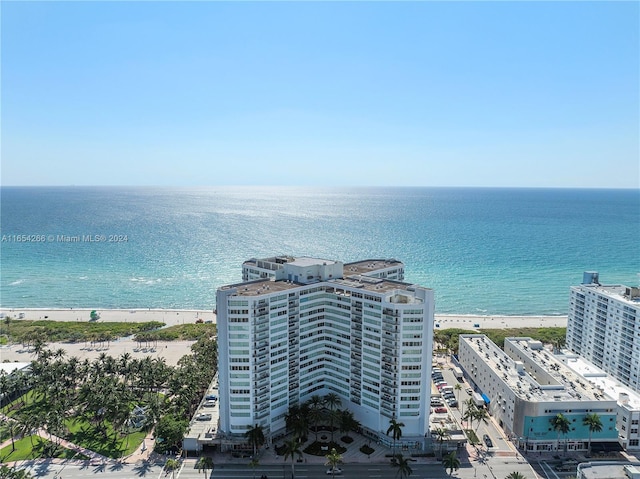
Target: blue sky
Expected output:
[541,94]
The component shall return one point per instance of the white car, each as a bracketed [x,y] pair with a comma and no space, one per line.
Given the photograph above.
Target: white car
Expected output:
[334,471]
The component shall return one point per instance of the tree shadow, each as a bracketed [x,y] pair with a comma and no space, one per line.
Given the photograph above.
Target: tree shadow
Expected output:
[42,469]
[143,468]
[116,466]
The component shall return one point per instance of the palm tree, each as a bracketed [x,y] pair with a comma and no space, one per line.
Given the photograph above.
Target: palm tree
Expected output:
[468,414]
[402,463]
[255,435]
[395,428]
[333,459]
[316,414]
[441,434]
[515,475]
[561,424]
[253,463]
[457,388]
[347,421]
[480,414]
[593,422]
[332,400]
[451,462]
[204,464]
[296,420]
[13,473]
[171,465]
[292,448]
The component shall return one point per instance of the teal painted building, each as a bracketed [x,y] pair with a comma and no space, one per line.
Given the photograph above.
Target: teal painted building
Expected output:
[527,387]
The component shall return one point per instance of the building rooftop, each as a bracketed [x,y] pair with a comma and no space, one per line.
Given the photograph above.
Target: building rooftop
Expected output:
[601,381]
[540,377]
[369,265]
[305,261]
[609,470]
[556,381]
[365,283]
[620,292]
[9,368]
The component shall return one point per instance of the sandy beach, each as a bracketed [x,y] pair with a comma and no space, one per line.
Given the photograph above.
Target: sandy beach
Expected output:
[170,317]
[173,317]
[172,351]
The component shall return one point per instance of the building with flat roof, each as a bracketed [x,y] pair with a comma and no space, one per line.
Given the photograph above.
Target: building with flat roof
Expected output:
[608,470]
[628,401]
[603,326]
[266,268]
[314,326]
[524,387]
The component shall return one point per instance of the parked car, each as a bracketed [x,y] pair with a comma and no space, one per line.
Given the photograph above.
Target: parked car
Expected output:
[469,391]
[203,417]
[452,402]
[211,397]
[487,440]
[440,410]
[334,471]
[209,403]
[567,465]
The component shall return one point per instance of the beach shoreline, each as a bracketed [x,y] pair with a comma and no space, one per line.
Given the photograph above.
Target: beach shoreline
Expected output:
[172,317]
[172,351]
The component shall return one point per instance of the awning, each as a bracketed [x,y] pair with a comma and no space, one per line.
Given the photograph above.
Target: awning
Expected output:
[486,398]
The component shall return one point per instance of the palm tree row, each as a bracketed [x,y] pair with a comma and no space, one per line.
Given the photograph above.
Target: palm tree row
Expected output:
[474,413]
[104,391]
[562,425]
[317,410]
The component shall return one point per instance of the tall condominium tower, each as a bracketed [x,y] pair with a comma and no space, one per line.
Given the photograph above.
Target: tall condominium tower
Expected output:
[604,327]
[313,326]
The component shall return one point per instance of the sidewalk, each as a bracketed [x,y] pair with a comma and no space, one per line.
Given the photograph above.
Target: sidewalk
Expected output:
[353,455]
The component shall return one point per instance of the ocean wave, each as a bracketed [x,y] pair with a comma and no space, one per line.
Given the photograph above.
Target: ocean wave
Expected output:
[17,282]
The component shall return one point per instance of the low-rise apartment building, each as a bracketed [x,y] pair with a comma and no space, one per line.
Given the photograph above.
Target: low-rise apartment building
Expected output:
[525,387]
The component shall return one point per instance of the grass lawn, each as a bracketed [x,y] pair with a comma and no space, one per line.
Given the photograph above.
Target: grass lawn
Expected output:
[471,435]
[81,432]
[40,449]
[24,401]
[84,434]
[5,433]
[67,331]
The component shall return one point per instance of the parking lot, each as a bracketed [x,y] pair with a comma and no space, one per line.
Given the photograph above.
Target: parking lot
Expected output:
[449,400]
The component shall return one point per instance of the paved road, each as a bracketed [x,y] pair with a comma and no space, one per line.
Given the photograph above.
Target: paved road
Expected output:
[77,470]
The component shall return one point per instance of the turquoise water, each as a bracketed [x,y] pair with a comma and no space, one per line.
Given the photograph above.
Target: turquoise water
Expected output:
[483,251]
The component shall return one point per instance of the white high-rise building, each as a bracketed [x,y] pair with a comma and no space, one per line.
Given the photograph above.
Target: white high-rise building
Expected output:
[603,326]
[316,326]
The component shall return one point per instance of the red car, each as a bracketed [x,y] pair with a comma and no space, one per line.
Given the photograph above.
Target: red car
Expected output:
[440,410]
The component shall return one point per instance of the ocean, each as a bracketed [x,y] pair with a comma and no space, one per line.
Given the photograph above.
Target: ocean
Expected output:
[483,250]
